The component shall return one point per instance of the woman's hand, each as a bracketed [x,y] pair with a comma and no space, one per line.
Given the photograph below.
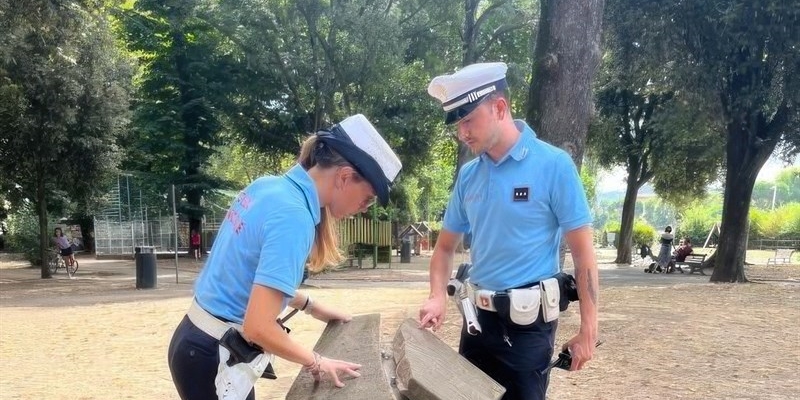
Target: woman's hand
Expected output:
[326,368]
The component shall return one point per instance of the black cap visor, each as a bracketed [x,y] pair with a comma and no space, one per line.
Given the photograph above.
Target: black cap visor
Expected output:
[457,113]
[462,111]
[363,163]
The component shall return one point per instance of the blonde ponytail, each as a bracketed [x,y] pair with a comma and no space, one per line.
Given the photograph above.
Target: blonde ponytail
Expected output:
[325,251]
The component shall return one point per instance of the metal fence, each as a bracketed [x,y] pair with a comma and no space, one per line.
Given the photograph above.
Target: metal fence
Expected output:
[113,237]
[772,244]
[126,223]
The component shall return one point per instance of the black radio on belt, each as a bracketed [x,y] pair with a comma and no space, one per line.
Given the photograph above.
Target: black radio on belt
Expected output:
[568,288]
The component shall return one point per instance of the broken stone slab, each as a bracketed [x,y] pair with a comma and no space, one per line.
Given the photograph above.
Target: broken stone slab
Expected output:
[357,341]
[429,369]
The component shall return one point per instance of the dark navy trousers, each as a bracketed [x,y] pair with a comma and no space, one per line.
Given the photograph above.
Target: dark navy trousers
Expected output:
[193,358]
[516,367]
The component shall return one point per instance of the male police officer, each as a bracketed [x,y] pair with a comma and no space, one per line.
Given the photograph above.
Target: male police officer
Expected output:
[517,198]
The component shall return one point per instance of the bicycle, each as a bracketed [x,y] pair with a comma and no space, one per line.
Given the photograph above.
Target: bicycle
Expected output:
[56,262]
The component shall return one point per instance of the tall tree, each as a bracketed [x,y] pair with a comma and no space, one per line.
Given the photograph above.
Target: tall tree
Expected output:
[642,123]
[312,63]
[566,57]
[63,101]
[185,80]
[747,54]
[492,24]
[565,60]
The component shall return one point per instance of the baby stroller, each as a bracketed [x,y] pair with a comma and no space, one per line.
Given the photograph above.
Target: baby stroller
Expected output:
[652,265]
[648,260]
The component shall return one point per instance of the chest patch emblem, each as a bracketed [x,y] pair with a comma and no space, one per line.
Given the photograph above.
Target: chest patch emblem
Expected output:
[521,194]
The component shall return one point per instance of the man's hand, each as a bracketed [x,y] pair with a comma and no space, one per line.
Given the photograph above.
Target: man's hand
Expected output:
[433,312]
[581,348]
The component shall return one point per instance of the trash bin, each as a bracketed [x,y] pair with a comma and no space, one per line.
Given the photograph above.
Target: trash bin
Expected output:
[405,251]
[146,267]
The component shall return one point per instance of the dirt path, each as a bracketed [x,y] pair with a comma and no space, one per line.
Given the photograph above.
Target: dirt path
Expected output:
[666,336]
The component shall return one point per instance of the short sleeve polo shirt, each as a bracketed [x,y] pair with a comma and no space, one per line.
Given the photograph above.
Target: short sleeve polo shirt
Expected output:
[517,210]
[265,239]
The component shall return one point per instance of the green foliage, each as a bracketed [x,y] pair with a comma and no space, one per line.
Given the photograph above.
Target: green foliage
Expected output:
[589,180]
[23,233]
[63,101]
[788,186]
[790,218]
[646,123]
[436,179]
[187,74]
[643,233]
[698,217]
[745,54]
[780,223]
[759,223]
[239,164]
[612,226]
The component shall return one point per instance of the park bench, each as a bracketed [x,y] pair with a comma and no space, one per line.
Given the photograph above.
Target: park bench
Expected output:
[694,262]
[782,256]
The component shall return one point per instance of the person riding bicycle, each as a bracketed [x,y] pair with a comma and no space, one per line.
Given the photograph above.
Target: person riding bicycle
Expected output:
[64,247]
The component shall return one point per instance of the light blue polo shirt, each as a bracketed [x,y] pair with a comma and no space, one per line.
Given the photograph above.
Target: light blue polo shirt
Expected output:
[517,210]
[265,239]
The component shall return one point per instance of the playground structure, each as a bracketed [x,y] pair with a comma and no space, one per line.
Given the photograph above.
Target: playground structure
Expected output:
[360,237]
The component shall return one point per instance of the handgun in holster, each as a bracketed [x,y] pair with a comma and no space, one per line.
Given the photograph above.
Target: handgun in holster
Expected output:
[457,289]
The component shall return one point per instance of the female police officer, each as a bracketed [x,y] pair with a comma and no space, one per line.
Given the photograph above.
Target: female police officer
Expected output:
[274,227]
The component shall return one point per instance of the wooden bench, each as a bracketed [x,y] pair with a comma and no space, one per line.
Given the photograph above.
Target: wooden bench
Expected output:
[694,262]
[782,256]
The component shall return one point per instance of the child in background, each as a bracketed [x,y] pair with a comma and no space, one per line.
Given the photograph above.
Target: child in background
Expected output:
[195,244]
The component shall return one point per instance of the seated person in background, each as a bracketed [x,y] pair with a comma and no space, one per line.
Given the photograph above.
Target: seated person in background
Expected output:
[683,250]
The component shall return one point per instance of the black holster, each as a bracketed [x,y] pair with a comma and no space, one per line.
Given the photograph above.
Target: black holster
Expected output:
[568,288]
[243,351]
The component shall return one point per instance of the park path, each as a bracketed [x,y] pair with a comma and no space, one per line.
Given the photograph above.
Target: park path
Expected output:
[112,281]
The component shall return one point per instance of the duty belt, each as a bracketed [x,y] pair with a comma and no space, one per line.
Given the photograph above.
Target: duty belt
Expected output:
[484,299]
[208,323]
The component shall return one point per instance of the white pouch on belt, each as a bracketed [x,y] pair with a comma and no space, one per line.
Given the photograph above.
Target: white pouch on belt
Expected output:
[551,297]
[524,305]
[236,381]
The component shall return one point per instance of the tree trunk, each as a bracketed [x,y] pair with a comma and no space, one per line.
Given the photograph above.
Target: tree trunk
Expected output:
[566,57]
[41,211]
[744,160]
[624,241]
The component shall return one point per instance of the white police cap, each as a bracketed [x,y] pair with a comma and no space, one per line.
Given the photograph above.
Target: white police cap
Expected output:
[360,144]
[462,91]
